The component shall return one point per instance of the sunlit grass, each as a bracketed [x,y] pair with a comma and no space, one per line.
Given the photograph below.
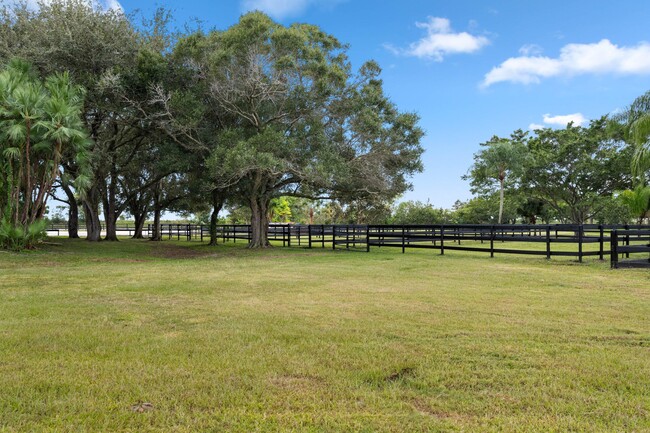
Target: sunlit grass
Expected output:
[227,339]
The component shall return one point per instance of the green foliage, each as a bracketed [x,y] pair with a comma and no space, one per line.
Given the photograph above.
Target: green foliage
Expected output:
[533,209]
[613,211]
[637,201]
[633,126]
[416,212]
[280,210]
[295,121]
[500,160]
[484,210]
[39,122]
[17,237]
[573,169]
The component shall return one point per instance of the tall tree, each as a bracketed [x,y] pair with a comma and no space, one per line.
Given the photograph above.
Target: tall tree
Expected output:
[93,44]
[38,123]
[638,201]
[576,170]
[500,159]
[633,126]
[302,124]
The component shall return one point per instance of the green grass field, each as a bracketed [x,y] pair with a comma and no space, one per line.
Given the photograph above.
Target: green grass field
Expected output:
[226,339]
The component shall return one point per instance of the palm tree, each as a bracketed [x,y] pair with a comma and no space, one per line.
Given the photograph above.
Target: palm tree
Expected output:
[634,123]
[498,160]
[38,124]
[638,201]
[640,131]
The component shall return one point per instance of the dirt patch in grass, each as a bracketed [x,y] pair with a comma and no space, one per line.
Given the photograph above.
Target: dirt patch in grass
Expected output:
[116,260]
[425,409]
[402,373]
[297,382]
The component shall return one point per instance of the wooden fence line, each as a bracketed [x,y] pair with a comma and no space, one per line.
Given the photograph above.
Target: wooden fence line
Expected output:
[623,240]
[441,237]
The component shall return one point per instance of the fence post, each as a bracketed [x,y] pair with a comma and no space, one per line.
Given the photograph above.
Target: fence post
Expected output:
[347,237]
[613,249]
[367,238]
[580,235]
[601,241]
[333,237]
[548,242]
[309,235]
[322,235]
[288,235]
[627,240]
[442,240]
[491,241]
[403,240]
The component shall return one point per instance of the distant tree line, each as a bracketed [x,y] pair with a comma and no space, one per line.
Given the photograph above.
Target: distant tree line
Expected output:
[115,118]
[598,172]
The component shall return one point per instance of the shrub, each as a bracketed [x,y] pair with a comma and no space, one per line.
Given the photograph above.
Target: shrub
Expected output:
[17,238]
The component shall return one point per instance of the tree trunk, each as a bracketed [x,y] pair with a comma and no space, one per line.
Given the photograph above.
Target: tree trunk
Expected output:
[140,219]
[217,204]
[73,212]
[110,207]
[501,200]
[156,235]
[157,209]
[111,226]
[73,220]
[259,222]
[91,212]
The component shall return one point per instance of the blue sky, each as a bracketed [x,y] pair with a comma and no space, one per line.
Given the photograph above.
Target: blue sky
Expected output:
[473,69]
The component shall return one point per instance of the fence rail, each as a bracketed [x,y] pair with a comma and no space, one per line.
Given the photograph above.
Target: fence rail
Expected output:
[569,240]
[627,242]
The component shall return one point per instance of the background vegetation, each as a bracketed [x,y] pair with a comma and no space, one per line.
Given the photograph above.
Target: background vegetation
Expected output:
[267,121]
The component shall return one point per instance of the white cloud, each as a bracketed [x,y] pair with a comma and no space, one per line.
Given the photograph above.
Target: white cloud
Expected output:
[562,121]
[112,4]
[575,59]
[440,41]
[530,50]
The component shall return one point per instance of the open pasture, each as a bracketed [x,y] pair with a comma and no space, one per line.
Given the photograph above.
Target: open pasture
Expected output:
[289,339]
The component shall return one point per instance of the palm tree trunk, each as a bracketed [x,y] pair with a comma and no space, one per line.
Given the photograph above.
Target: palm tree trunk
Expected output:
[501,200]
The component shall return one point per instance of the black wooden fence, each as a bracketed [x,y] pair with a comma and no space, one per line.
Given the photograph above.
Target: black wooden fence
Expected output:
[634,243]
[571,240]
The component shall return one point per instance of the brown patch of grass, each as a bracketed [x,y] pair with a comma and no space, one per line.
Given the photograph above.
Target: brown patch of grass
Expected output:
[425,409]
[296,382]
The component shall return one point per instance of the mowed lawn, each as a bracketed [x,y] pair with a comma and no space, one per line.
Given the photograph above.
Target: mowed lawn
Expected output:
[288,339]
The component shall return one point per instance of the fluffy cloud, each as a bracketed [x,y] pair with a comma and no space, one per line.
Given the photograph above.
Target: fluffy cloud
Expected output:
[575,59]
[112,4]
[560,120]
[280,9]
[441,40]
